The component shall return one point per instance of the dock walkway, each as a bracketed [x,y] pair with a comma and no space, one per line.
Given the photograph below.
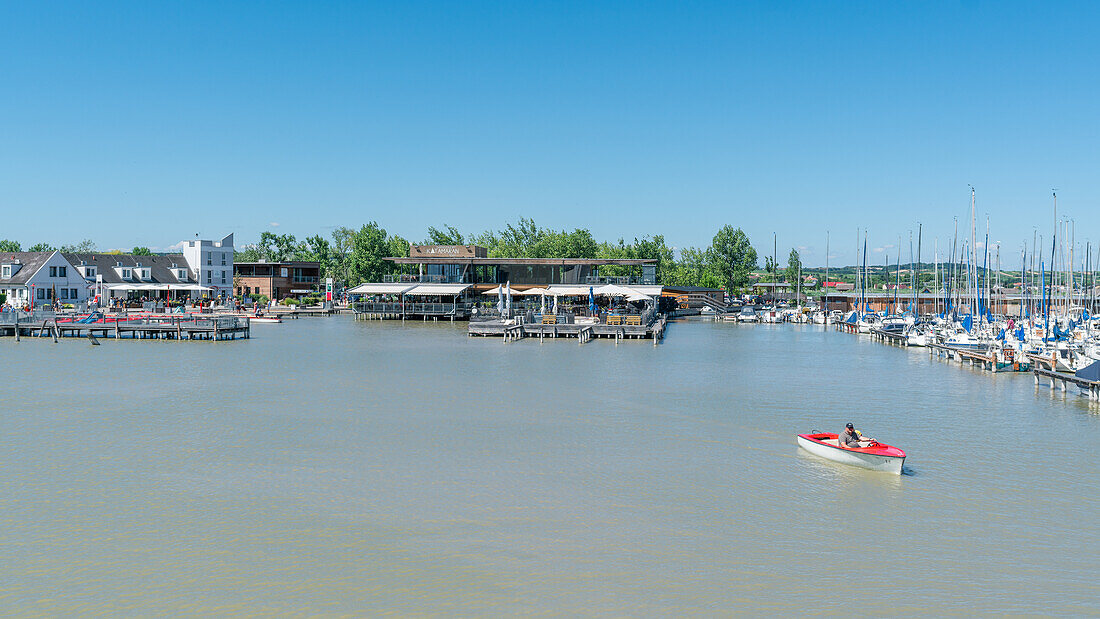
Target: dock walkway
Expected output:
[1063,380]
[582,332]
[169,327]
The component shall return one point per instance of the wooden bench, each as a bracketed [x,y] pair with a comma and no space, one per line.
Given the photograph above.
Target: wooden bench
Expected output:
[549,319]
[615,320]
[634,320]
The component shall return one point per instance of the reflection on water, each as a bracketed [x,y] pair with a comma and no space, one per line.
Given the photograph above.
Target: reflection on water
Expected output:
[328,466]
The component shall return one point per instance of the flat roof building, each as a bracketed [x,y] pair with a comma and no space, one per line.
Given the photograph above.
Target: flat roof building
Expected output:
[277,280]
[471,264]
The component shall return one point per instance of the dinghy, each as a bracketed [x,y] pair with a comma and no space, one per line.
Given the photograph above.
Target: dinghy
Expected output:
[876,457]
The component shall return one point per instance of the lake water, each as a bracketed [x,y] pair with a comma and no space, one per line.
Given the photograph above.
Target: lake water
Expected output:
[328,466]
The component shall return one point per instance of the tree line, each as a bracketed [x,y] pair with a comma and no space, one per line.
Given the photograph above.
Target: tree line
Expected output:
[355,256]
[87,246]
[358,255]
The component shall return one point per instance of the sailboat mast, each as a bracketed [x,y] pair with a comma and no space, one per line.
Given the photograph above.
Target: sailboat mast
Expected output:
[936,275]
[916,286]
[824,285]
[973,255]
[1053,249]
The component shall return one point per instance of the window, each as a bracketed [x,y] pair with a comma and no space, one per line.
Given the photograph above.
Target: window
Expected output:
[282,272]
[209,277]
[73,294]
[61,271]
[7,271]
[41,294]
[53,271]
[64,293]
[126,274]
[89,271]
[223,277]
[209,259]
[223,259]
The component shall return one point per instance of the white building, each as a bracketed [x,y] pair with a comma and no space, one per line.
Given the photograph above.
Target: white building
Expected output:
[212,261]
[37,278]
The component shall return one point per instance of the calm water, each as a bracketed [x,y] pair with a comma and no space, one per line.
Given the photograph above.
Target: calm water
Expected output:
[327,466]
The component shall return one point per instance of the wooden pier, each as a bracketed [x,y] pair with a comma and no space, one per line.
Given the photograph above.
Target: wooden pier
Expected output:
[889,337]
[847,327]
[212,328]
[582,332]
[1063,380]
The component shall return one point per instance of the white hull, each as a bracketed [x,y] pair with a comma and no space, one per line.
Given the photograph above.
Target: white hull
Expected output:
[917,340]
[884,464]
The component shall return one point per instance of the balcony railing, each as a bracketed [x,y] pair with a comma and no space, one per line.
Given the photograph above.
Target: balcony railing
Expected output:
[621,280]
[413,278]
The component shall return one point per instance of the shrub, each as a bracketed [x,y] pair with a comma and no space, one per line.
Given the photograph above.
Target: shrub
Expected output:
[290,302]
[259,299]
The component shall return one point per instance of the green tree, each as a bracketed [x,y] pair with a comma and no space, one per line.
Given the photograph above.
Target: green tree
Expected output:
[397,247]
[248,253]
[276,247]
[317,249]
[369,246]
[9,246]
[733,257]
[695,267]
[141,251]
[41,247]
[794,267]
[84,247]
[342,244]
[449,235]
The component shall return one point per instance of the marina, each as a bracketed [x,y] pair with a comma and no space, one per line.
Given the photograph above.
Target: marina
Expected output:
[460,310]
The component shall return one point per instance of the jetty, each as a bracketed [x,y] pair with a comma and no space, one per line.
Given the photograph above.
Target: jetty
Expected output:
[618,328]
[1064,380]
[165,326]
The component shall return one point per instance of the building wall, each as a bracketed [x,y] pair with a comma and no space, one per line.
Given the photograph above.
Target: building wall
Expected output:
[212,261]
[277,285]
[56,274]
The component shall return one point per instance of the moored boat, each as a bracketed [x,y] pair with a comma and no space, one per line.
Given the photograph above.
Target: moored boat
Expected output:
[876,457]
[264,319]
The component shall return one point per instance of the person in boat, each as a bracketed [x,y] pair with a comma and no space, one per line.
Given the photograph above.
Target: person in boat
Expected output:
[850,438]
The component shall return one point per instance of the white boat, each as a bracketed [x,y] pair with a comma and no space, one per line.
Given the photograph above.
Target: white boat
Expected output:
[875,457]
[746,315]
[264,320]
[919,336]
[962,339]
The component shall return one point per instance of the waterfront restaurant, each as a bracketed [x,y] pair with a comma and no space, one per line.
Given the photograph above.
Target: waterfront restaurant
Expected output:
[451,280]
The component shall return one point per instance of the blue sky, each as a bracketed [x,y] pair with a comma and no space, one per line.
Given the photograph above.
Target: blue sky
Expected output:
[145,123]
